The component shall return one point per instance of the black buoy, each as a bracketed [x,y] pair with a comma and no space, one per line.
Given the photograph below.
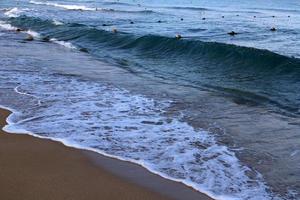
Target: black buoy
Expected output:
[104,24]
[85,50]
[114,30]
[273,16]
[232,33]
[178,36]
[181,19]
[29,38]
[46,39]
[158,21]
[131,22]
[237,15]
[203,18]
[254,16]
[19,30]
[223,16]
[273,29]
[289,16]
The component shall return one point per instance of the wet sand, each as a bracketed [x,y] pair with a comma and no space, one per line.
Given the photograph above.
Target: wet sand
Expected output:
[35,169]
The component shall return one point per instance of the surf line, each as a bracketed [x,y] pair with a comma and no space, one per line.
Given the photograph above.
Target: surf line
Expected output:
[39,103]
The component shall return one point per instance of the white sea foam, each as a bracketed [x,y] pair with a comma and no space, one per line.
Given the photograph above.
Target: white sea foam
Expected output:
[56,22]
[36,35]
[115,123]
[9,27]
[6,26]
[15,12]
[68,7]
[33,33]
[63,43]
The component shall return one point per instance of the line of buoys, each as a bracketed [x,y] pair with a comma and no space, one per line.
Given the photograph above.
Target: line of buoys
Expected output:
[178,36]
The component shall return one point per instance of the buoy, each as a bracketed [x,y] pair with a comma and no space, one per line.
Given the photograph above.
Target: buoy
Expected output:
[158,21]
[178,36]
[289,16]
[237,15]
[19,30]
[114,30]
[46,39]
[83,50]
[104,24]
[131,22]
[254,16]
[29,38]
[273,16]
[232,33]
[181,19]
[223,16]
[273,29]
[203,18]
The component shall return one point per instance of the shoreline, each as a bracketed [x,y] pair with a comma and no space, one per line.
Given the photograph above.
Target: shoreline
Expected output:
[47,175]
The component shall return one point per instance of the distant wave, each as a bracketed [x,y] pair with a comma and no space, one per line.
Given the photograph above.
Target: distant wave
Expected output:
[84,8]
[185,8]
[68,7]
[177,152]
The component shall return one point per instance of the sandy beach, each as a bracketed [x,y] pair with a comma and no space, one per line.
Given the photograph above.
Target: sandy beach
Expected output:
[33,168]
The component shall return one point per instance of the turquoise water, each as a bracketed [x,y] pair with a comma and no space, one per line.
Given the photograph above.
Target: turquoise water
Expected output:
[238,94]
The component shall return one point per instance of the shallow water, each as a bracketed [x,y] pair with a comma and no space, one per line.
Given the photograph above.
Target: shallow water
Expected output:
[219,117]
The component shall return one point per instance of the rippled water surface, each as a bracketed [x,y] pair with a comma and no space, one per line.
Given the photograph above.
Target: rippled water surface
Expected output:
[217,112]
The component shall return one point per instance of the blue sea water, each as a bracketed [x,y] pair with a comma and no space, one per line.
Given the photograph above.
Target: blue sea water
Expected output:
[217,112]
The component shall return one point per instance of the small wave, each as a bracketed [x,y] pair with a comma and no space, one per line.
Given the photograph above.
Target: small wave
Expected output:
[84,8]
[56,22]
[15,12]
[117,3]
[65,44]
[36,35]
[185,8]
[6,26]
[9,27]
[195,30]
